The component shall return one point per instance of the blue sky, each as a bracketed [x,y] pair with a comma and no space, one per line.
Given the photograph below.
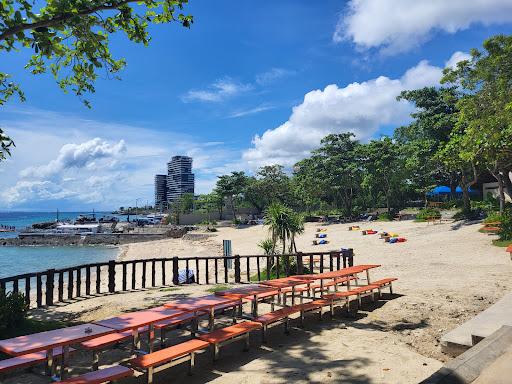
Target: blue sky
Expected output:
[250,83]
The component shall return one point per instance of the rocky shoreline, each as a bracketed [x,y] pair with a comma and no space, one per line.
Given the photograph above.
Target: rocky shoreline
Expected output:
[52,239]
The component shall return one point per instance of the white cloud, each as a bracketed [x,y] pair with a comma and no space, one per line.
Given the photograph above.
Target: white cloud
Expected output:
[220,90]
[77,156]
[456,57]
[399,25]
[251,111]
[106,166]
[361,108]
[272,75]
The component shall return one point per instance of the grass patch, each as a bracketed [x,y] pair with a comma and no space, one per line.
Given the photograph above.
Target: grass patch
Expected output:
[218,287]
[502,243]
[29,326]
[169,289]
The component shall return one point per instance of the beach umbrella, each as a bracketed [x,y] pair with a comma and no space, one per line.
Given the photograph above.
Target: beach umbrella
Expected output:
[439,190]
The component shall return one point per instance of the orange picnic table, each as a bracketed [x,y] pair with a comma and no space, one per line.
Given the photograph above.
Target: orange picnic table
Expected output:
[202,304]
[345,272]
[246,291]
[286,282]
[47,341]
[135,320]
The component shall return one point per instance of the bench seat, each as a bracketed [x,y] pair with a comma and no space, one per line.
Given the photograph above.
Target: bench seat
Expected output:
[228,334]
[387,282]
[168,357]
[280,316]
[106,375]
[28,360]
[262,296]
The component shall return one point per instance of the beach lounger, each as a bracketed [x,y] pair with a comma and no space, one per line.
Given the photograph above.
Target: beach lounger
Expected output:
[230,334]
[107,375]
[168,357]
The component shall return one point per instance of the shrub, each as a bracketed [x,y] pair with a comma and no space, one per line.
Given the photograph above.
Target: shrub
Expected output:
[474,214]
[266,245]
[505,231]
[427,213]
[13,309]
[385,216]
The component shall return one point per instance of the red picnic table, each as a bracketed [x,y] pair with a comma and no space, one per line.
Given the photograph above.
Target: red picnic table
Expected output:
[202,304]
[345,272]
[244,292]
[49,340]
[135,320]
[286,282]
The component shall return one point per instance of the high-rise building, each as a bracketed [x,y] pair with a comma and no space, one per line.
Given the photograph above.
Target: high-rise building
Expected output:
[180,179]
[160,191]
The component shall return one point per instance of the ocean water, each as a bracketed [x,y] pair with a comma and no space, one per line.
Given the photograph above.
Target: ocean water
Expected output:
[18,260]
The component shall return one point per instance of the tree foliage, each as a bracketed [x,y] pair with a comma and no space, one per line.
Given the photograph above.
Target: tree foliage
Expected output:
[70,39]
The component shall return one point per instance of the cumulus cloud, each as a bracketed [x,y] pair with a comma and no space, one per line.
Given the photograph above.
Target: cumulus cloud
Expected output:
[77,156]
[399,25]
[220,90]
[456,57]
[361,108]
[35,190]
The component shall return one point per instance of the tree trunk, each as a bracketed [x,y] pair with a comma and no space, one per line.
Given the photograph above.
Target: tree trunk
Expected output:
[507,183]
[453,186]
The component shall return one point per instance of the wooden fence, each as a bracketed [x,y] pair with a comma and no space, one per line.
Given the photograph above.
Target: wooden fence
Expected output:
[59,285]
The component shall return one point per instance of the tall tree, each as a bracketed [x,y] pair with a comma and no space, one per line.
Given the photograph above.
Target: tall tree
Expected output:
[384,171]
[70,39]
[271,184]
[433,121]
[231,187]
[486,108]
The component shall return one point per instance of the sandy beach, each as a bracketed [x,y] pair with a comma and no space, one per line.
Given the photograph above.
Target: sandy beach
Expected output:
[446,276]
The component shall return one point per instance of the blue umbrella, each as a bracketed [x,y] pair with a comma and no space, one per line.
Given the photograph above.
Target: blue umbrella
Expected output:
[440,190]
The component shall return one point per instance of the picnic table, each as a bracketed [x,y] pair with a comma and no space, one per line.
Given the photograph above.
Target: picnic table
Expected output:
[286,282]
[246,291]
[345,272]
[202,304]
[135,320]
[47,341]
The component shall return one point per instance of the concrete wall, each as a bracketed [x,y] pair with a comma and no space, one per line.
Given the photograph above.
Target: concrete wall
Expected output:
[492,188]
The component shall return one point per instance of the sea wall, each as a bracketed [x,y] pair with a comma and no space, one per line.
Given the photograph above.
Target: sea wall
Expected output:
[91,239]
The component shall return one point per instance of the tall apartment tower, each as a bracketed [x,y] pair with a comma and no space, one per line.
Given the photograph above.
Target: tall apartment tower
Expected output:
[160,191]
[180,178]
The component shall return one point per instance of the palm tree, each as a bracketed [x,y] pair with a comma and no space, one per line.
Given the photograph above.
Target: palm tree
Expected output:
[296,228]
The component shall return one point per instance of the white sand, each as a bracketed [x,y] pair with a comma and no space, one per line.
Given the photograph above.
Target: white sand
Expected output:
[445,277]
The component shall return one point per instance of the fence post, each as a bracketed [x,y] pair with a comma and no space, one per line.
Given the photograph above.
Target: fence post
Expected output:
[300,264]
[238,278]
[50,274]
[175,279]
[350,257]
[112,276]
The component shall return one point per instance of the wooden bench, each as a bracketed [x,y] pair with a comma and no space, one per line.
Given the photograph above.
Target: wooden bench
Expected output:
[363,291]
[173,323]
[339,296]
[297,289]
[168,357]
[267,297]
[28,360]
[387,282]
[229,334]
[107,375]
[98,344]
[276,317]
[312,306]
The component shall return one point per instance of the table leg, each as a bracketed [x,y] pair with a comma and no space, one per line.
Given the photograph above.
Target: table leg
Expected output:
[367,276]
[255,306]
[151,337]
[49,362]
[335,285]
[136,339]
[293,295]
[211,319]
[64,360]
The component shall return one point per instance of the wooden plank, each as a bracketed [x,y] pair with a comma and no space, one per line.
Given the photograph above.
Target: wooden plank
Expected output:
[15,286]
[216,271]
[78,282]
[39,291]
[269,266]
[207,275]
[70,284]
[258,267]
[248,268]
[197,271]
[60,293]
[98,279]
[153,273]
[27,291]
[163,272]
[175,270]
[50,277]
[144,274]
[124,283]
[88,281]
[134,273]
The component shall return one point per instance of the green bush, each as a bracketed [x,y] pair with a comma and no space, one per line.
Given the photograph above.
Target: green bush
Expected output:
[427,213]
[385,216]
[13,309]
[505,231]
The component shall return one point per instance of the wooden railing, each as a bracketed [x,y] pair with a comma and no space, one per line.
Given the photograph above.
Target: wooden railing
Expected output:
[59,285]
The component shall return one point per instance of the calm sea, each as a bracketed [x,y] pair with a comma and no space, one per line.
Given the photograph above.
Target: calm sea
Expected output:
[18,260]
